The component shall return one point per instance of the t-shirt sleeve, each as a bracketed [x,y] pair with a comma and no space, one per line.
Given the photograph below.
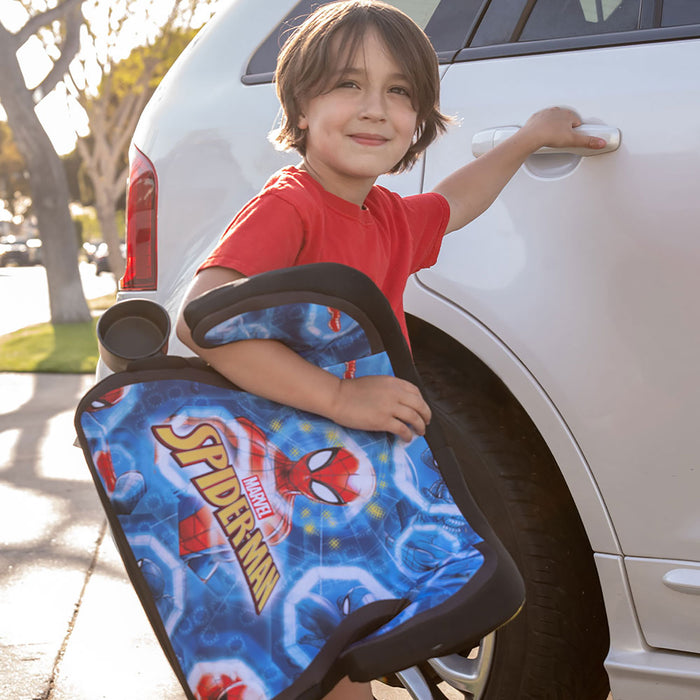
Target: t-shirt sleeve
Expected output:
[267,234]
[428,215]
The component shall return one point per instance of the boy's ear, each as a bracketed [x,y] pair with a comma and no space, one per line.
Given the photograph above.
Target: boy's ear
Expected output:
[302,123]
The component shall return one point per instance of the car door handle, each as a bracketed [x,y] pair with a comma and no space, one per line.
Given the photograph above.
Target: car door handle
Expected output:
[487,139]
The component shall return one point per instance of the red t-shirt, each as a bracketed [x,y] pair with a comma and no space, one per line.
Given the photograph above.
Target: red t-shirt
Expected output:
[294,221]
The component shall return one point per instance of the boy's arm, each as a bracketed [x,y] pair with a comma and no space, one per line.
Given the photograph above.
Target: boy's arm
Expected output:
[472,189]
[270,369]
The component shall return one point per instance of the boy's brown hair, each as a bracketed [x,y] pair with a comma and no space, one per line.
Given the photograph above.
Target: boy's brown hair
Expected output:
[309,60]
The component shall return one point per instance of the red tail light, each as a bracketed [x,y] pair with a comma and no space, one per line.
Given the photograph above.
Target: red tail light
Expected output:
[141,236]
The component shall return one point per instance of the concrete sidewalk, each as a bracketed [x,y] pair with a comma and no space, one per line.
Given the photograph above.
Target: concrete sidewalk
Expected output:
[71,626]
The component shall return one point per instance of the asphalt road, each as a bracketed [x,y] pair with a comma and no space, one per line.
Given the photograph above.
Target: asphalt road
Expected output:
[24,294]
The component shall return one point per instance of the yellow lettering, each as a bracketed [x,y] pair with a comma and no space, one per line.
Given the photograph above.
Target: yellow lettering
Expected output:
[258,576]
[241,526]
[251,553]
[227,516]
[196,438]
[191,448]
[222,489]
[214,455]
[224,493]
[263,592]
[210,478]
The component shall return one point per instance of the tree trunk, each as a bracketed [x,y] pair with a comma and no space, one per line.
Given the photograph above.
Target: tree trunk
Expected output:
[59,237]
[50,195]
[106,212]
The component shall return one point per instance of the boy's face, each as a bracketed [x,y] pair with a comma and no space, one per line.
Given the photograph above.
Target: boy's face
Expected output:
[362,126]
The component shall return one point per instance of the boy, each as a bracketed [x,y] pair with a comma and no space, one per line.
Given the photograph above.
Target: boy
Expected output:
[359,87]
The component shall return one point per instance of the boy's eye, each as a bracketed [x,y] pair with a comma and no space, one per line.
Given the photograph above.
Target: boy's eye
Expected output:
[400,90]
[347,84]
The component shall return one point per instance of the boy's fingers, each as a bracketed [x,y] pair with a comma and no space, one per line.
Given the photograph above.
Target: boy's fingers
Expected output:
[424,412]
[411,418]
[401,430]
[415,400]
[397,427]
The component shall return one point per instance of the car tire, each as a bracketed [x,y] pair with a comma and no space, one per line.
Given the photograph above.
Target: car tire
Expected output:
[555,647]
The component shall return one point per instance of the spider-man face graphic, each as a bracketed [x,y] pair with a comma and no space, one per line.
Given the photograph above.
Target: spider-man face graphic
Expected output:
[330,475]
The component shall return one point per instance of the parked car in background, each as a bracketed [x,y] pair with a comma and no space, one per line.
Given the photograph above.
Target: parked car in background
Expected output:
[556,333]
[100,257]
[15,250]
[89,250]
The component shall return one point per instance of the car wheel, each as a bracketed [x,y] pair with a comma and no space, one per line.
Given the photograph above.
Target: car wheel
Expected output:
[555,648]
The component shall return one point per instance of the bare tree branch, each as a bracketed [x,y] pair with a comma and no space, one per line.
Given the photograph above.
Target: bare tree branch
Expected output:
[69,48]
[36,22]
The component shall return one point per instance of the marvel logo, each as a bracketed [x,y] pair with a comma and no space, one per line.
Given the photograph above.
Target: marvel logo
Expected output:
[256,495]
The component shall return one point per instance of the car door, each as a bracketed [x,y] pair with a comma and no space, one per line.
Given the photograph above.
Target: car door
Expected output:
[586,266]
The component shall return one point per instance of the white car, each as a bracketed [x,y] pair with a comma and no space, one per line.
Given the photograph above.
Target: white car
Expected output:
[558,334]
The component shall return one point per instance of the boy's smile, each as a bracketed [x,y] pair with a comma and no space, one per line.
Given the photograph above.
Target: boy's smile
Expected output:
[362,126]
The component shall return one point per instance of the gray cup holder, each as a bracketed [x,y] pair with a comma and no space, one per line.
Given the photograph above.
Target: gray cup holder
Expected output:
[136,329]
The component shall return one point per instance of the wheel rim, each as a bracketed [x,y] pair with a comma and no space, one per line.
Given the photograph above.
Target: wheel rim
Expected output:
[468,673]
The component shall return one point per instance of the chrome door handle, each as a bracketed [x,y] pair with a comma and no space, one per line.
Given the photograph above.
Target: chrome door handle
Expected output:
[487,139]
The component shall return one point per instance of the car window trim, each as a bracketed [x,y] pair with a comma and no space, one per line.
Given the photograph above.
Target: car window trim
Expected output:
[512,14]
[447,56]
[650,14]
[257,78]
[636,36]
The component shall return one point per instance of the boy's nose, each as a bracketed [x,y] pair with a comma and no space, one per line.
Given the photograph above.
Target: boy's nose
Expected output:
[373,105]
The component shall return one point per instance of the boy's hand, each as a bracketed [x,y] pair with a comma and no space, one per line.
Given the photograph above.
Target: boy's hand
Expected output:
[555,127]
[381,403]
[471,190]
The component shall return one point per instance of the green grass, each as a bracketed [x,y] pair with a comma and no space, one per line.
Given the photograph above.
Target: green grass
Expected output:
[64,348]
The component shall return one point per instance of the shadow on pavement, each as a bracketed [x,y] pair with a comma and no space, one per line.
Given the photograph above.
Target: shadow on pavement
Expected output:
[70,624]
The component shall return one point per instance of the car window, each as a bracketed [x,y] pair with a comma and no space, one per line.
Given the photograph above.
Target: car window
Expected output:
[552,19]
[513,21]
[448,23]
[679,12]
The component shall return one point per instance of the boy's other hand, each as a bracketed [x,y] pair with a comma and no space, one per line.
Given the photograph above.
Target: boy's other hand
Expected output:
[381,403]
[555,127]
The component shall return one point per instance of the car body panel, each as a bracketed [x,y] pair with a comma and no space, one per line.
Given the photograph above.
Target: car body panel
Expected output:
[637,671]
[661,588]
